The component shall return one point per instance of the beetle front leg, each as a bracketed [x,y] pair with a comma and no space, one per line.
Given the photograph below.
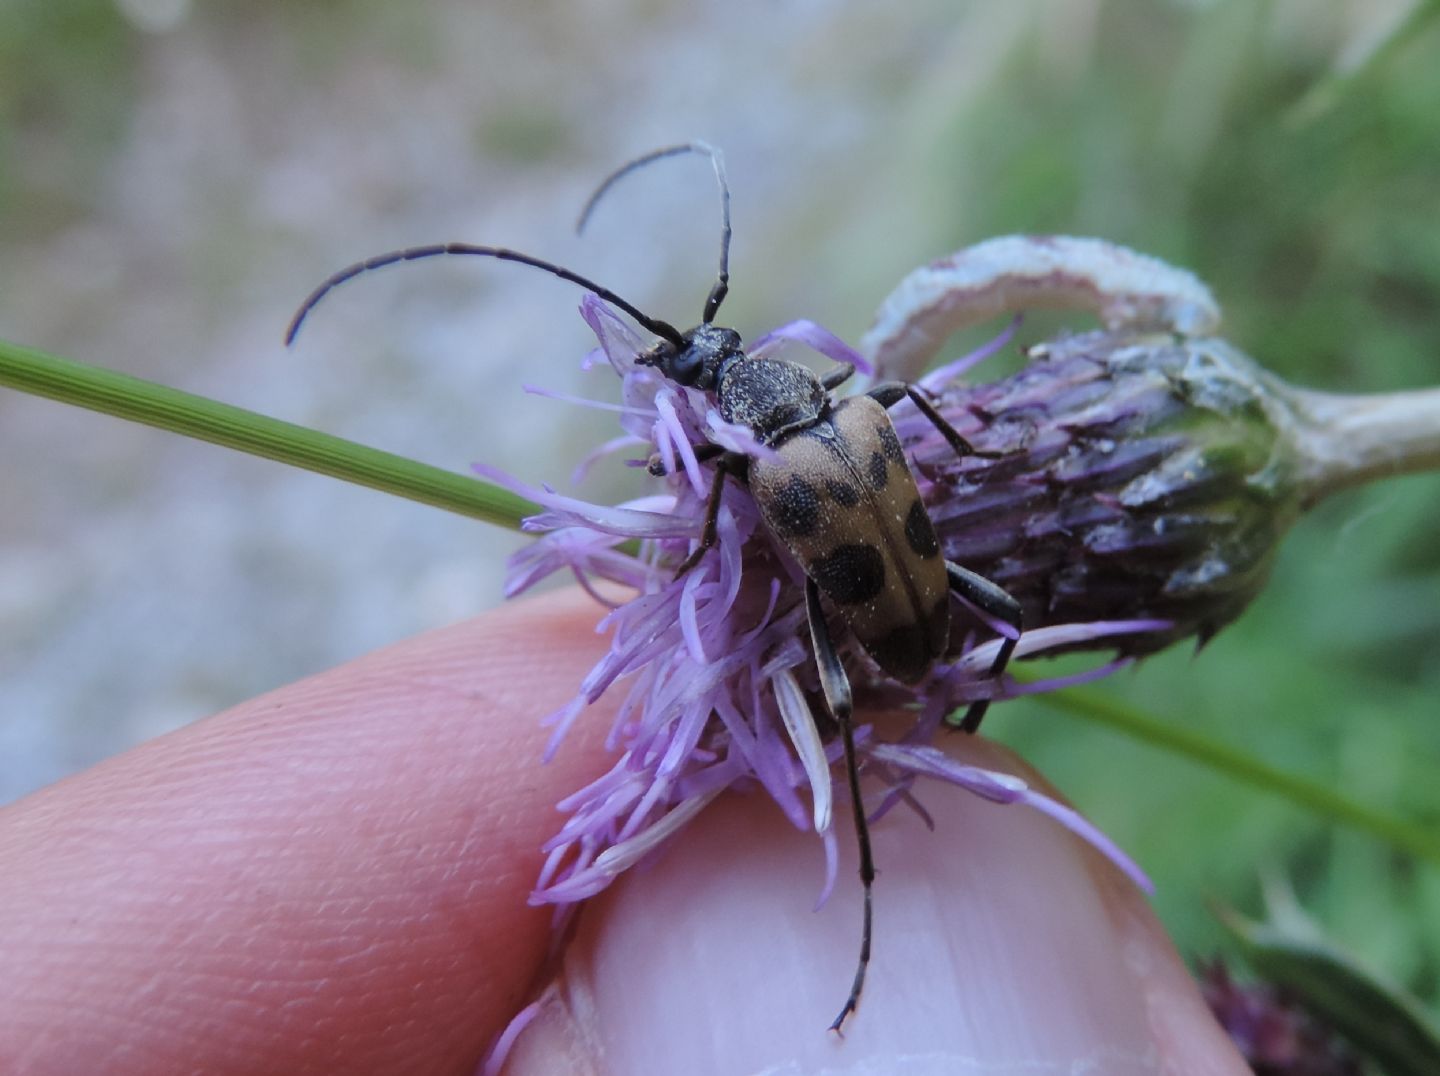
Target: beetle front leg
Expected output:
[996,601]
[728,463]
[835,686]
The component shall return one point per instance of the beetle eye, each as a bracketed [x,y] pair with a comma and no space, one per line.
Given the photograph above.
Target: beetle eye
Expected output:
[685,367]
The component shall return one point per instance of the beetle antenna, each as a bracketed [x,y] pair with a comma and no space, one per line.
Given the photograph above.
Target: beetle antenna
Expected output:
[437,250]
[717,161]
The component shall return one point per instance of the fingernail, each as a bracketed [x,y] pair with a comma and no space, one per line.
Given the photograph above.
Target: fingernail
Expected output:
[1001,945]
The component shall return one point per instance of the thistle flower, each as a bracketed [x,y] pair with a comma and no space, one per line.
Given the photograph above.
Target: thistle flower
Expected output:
[1274,1034]
[1129,488]
[718,681]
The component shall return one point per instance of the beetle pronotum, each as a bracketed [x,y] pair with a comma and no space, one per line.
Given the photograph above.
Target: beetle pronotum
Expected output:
[836,492]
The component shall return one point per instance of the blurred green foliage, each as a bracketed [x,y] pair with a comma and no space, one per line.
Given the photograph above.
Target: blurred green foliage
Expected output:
[66,79]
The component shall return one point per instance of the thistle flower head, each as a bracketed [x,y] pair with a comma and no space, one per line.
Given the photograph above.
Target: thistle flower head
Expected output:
[713,668]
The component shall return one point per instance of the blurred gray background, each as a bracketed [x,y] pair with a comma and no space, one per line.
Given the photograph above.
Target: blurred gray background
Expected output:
[175,177]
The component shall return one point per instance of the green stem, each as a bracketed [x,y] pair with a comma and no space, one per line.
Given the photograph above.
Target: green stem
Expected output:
[1346,441]
[1326,94]
[1320,799]
[194,416]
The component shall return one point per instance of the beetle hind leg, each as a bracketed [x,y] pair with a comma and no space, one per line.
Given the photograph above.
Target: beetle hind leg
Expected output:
[835,686]
[996,602]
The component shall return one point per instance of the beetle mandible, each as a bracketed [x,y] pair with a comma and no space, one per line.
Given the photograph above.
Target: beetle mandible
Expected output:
[837,493]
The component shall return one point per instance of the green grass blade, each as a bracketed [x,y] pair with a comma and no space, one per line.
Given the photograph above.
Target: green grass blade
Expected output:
[170,409]
[1326,94]
[1094,706]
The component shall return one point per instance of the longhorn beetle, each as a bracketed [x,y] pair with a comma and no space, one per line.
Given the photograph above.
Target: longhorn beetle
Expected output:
[838,494]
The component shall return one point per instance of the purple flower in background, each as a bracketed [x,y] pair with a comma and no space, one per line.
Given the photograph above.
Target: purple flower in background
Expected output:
[1275,1033]
[714,668]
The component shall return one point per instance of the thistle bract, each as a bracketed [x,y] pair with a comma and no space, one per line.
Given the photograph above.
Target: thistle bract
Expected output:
[1140,476]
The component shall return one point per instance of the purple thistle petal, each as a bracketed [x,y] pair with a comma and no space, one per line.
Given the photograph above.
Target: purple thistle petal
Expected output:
[1058,637]
[599,452]
[737,438]
[585,401]
[817,338]
[618,340]
[994,623]
[1059,683]
[569,511]
[626,853]
[1005,788]
[805,737]
[951,372]
[562,720]
[494,1062]
[689,624]
[669,426]
[583,579]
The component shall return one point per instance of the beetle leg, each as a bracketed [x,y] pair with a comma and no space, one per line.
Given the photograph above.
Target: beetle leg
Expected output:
[997,602]
[838,376]
[888,393]
[836,687]
[729,463]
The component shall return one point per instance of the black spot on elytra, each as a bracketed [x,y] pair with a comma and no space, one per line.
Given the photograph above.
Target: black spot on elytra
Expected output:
[844,493]
[919,532]
[879,471]
[903,653]
[795,509]
[850,574]
[890,443]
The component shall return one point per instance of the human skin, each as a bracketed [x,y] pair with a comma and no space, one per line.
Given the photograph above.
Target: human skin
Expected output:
[333,878]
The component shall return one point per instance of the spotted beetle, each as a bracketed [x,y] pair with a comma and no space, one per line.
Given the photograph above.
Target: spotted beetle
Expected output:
[836,492]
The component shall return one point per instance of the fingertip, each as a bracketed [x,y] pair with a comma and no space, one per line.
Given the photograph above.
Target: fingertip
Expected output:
[332,877]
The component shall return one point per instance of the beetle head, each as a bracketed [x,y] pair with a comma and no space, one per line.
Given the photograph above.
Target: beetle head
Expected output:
[698,360]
